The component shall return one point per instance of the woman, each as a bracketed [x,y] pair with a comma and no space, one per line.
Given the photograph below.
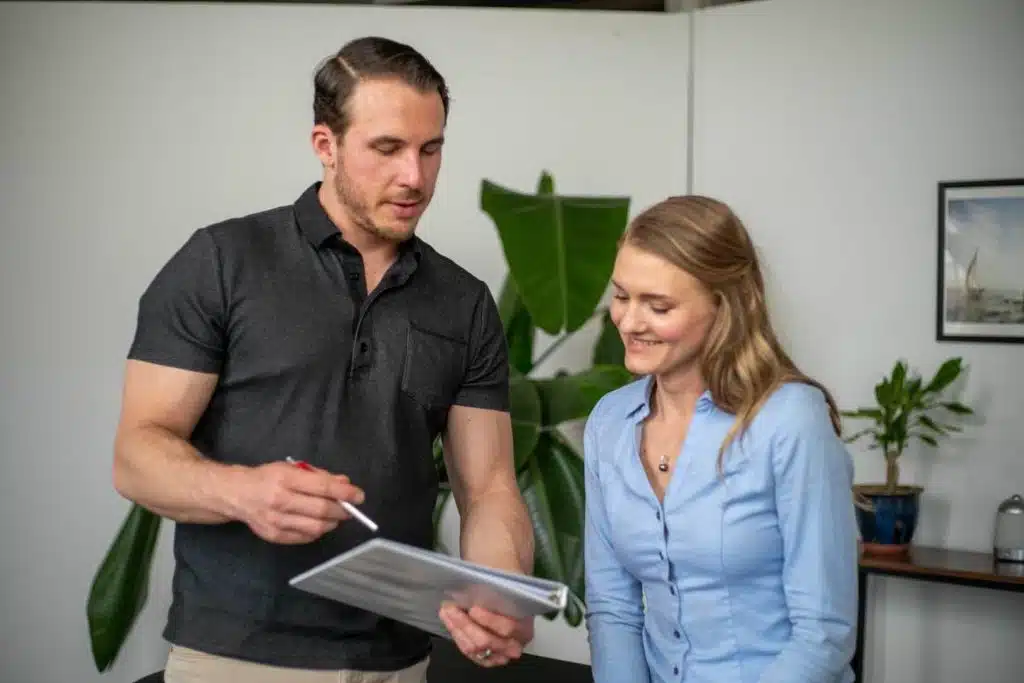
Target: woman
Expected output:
[720,535]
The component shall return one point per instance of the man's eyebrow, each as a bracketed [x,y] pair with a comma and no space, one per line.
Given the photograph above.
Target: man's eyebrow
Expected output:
[393,140]
[387,140]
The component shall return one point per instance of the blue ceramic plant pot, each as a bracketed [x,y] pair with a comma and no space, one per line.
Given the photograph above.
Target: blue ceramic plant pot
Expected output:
[887,520]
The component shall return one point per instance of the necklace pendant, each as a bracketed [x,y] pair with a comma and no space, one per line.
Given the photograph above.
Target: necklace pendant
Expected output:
[663,465]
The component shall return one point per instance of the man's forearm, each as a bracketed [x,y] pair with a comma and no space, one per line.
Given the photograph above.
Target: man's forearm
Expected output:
[496,531]
[165,474]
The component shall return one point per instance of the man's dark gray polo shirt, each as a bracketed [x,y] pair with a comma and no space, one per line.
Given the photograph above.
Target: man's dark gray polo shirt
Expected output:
[312,367]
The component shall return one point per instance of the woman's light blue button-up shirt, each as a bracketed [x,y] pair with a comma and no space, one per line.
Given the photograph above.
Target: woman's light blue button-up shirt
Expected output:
[743,576]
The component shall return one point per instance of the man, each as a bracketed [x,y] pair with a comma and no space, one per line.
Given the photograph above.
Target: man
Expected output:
[326,331]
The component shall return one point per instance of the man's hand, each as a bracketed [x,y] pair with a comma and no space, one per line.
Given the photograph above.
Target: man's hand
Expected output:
[282,503]
[487,638]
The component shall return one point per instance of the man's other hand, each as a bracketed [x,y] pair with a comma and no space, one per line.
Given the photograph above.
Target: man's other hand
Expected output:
[487,638]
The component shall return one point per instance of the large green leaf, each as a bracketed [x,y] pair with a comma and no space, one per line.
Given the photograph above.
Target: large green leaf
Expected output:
[574,610]
[572,397]
[560,249]
[508,300]
[439,464]
[552,486]
[443,494]
[548,560]
[609,349]
[526,416]
[519,327]
[562,471]
[120,587]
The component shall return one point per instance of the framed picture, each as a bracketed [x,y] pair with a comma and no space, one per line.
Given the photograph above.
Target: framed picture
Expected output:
[981,261]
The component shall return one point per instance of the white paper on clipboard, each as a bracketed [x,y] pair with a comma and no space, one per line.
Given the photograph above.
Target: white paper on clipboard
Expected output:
[408,584]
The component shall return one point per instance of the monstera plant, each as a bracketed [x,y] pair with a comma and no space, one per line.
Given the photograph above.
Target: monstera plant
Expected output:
[559,251]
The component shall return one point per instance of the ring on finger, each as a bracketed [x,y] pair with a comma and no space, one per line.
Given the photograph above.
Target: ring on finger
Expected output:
[486,654]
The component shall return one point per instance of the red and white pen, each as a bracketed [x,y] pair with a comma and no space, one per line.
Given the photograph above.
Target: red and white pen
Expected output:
[349,507]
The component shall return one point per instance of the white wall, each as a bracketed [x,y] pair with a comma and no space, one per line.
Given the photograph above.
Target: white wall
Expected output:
[126,127]
[828,125]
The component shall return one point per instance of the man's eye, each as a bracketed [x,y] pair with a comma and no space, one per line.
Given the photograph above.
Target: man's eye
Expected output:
[387,150]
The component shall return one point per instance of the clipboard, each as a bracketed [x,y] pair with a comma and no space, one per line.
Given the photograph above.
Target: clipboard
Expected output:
[409,584]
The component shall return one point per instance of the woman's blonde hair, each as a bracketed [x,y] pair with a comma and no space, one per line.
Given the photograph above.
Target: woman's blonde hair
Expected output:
[742,360]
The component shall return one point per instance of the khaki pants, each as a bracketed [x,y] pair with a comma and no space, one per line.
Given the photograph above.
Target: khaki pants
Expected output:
[191,666]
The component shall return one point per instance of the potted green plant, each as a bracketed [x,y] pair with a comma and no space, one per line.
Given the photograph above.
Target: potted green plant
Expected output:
[560,251]
[906,409]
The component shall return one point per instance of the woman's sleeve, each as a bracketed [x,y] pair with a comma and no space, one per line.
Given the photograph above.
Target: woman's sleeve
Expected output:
[813,495]
[614,600]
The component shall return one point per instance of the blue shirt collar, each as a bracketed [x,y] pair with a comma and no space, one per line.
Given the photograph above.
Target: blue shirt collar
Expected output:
[640,407]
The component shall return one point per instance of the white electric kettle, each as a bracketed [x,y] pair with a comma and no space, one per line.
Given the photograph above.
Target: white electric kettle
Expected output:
[1009,537]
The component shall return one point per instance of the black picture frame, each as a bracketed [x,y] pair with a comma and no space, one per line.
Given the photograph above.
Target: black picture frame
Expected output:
[980,278]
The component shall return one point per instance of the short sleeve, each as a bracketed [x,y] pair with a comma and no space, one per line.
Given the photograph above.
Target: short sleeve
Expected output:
[486,383]
[180,320]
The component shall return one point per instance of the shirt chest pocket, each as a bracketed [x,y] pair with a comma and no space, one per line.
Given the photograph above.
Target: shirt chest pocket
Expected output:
[434,365]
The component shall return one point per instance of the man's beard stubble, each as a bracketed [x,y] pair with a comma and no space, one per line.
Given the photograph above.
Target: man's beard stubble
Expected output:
[359,212]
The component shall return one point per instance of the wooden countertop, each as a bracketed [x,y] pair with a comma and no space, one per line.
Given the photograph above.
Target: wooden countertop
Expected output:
[951,564]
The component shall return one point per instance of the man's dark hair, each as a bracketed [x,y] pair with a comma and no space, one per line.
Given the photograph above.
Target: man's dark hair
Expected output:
[368,58]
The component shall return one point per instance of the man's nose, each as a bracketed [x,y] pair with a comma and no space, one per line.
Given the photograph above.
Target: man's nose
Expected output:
[411,172]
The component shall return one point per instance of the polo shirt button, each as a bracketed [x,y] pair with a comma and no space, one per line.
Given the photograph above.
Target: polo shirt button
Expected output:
[659,514]
[675,670]
[672,590]
[364,347]
[676,633]
[661,555]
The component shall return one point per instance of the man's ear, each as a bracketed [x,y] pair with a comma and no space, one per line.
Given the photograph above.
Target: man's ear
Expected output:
[325,145]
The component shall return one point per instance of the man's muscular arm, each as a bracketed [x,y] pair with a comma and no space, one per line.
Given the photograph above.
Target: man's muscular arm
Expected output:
[156,466]
[496,529]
